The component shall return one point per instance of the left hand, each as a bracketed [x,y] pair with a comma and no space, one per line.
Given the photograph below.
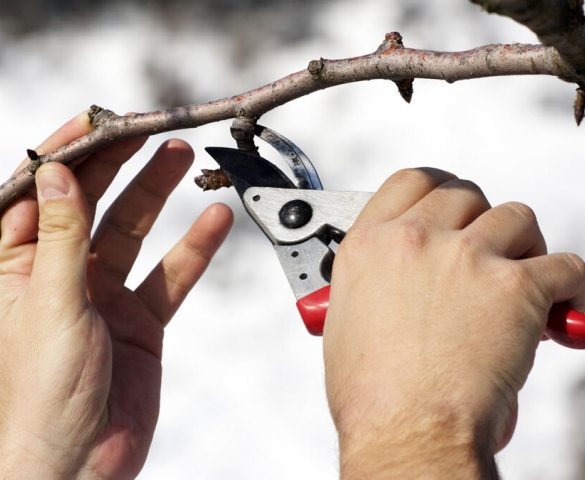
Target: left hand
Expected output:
[80,353]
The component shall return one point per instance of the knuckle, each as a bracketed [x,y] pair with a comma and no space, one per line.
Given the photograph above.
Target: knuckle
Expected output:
[417,176]
[62,226]
[473,194]
[411,236]
[463,184]
[521,211]
[129,229]
[403,237]
[410,174]
[576,262]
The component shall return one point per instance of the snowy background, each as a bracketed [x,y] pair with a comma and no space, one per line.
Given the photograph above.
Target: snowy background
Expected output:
[243,394]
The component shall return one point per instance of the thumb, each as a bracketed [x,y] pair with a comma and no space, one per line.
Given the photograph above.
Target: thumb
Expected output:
[60,260]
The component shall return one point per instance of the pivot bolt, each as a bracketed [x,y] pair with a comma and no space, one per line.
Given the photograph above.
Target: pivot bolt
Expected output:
[295,214]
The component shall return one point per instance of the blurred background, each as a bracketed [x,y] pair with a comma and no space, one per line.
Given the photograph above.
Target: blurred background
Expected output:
[243,390]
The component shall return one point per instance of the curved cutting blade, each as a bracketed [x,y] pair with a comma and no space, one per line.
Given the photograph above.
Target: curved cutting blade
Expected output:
[245,170]
[299,163]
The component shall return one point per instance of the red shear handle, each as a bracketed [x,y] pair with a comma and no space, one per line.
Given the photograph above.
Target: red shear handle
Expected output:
[566,326]
[313,309]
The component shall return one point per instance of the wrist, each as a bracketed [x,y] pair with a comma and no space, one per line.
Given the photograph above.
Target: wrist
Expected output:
[26,461]
[436,444]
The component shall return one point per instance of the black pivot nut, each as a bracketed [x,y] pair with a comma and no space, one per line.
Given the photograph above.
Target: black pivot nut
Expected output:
[295,214]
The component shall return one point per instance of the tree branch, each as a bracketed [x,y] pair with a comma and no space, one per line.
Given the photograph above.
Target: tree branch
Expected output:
[391,61]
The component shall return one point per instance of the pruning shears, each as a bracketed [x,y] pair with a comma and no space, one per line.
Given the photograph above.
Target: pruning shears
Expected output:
[302,220]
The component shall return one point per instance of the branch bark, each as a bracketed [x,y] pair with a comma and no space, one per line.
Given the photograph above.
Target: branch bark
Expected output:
[391,61]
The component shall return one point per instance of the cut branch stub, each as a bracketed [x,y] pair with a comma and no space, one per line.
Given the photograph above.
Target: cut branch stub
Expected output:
[212,180]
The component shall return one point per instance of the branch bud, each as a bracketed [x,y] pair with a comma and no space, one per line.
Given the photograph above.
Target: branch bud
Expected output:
[316,67]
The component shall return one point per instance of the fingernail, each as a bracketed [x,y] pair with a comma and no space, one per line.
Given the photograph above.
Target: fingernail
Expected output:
[51,184]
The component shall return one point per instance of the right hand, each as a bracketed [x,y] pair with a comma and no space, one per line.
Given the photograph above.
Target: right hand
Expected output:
[438,303]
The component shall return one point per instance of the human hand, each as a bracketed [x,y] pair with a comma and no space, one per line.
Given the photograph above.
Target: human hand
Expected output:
[437,306]
[80,354]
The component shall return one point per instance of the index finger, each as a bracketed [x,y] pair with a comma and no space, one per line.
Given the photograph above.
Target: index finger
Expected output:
[400,192]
